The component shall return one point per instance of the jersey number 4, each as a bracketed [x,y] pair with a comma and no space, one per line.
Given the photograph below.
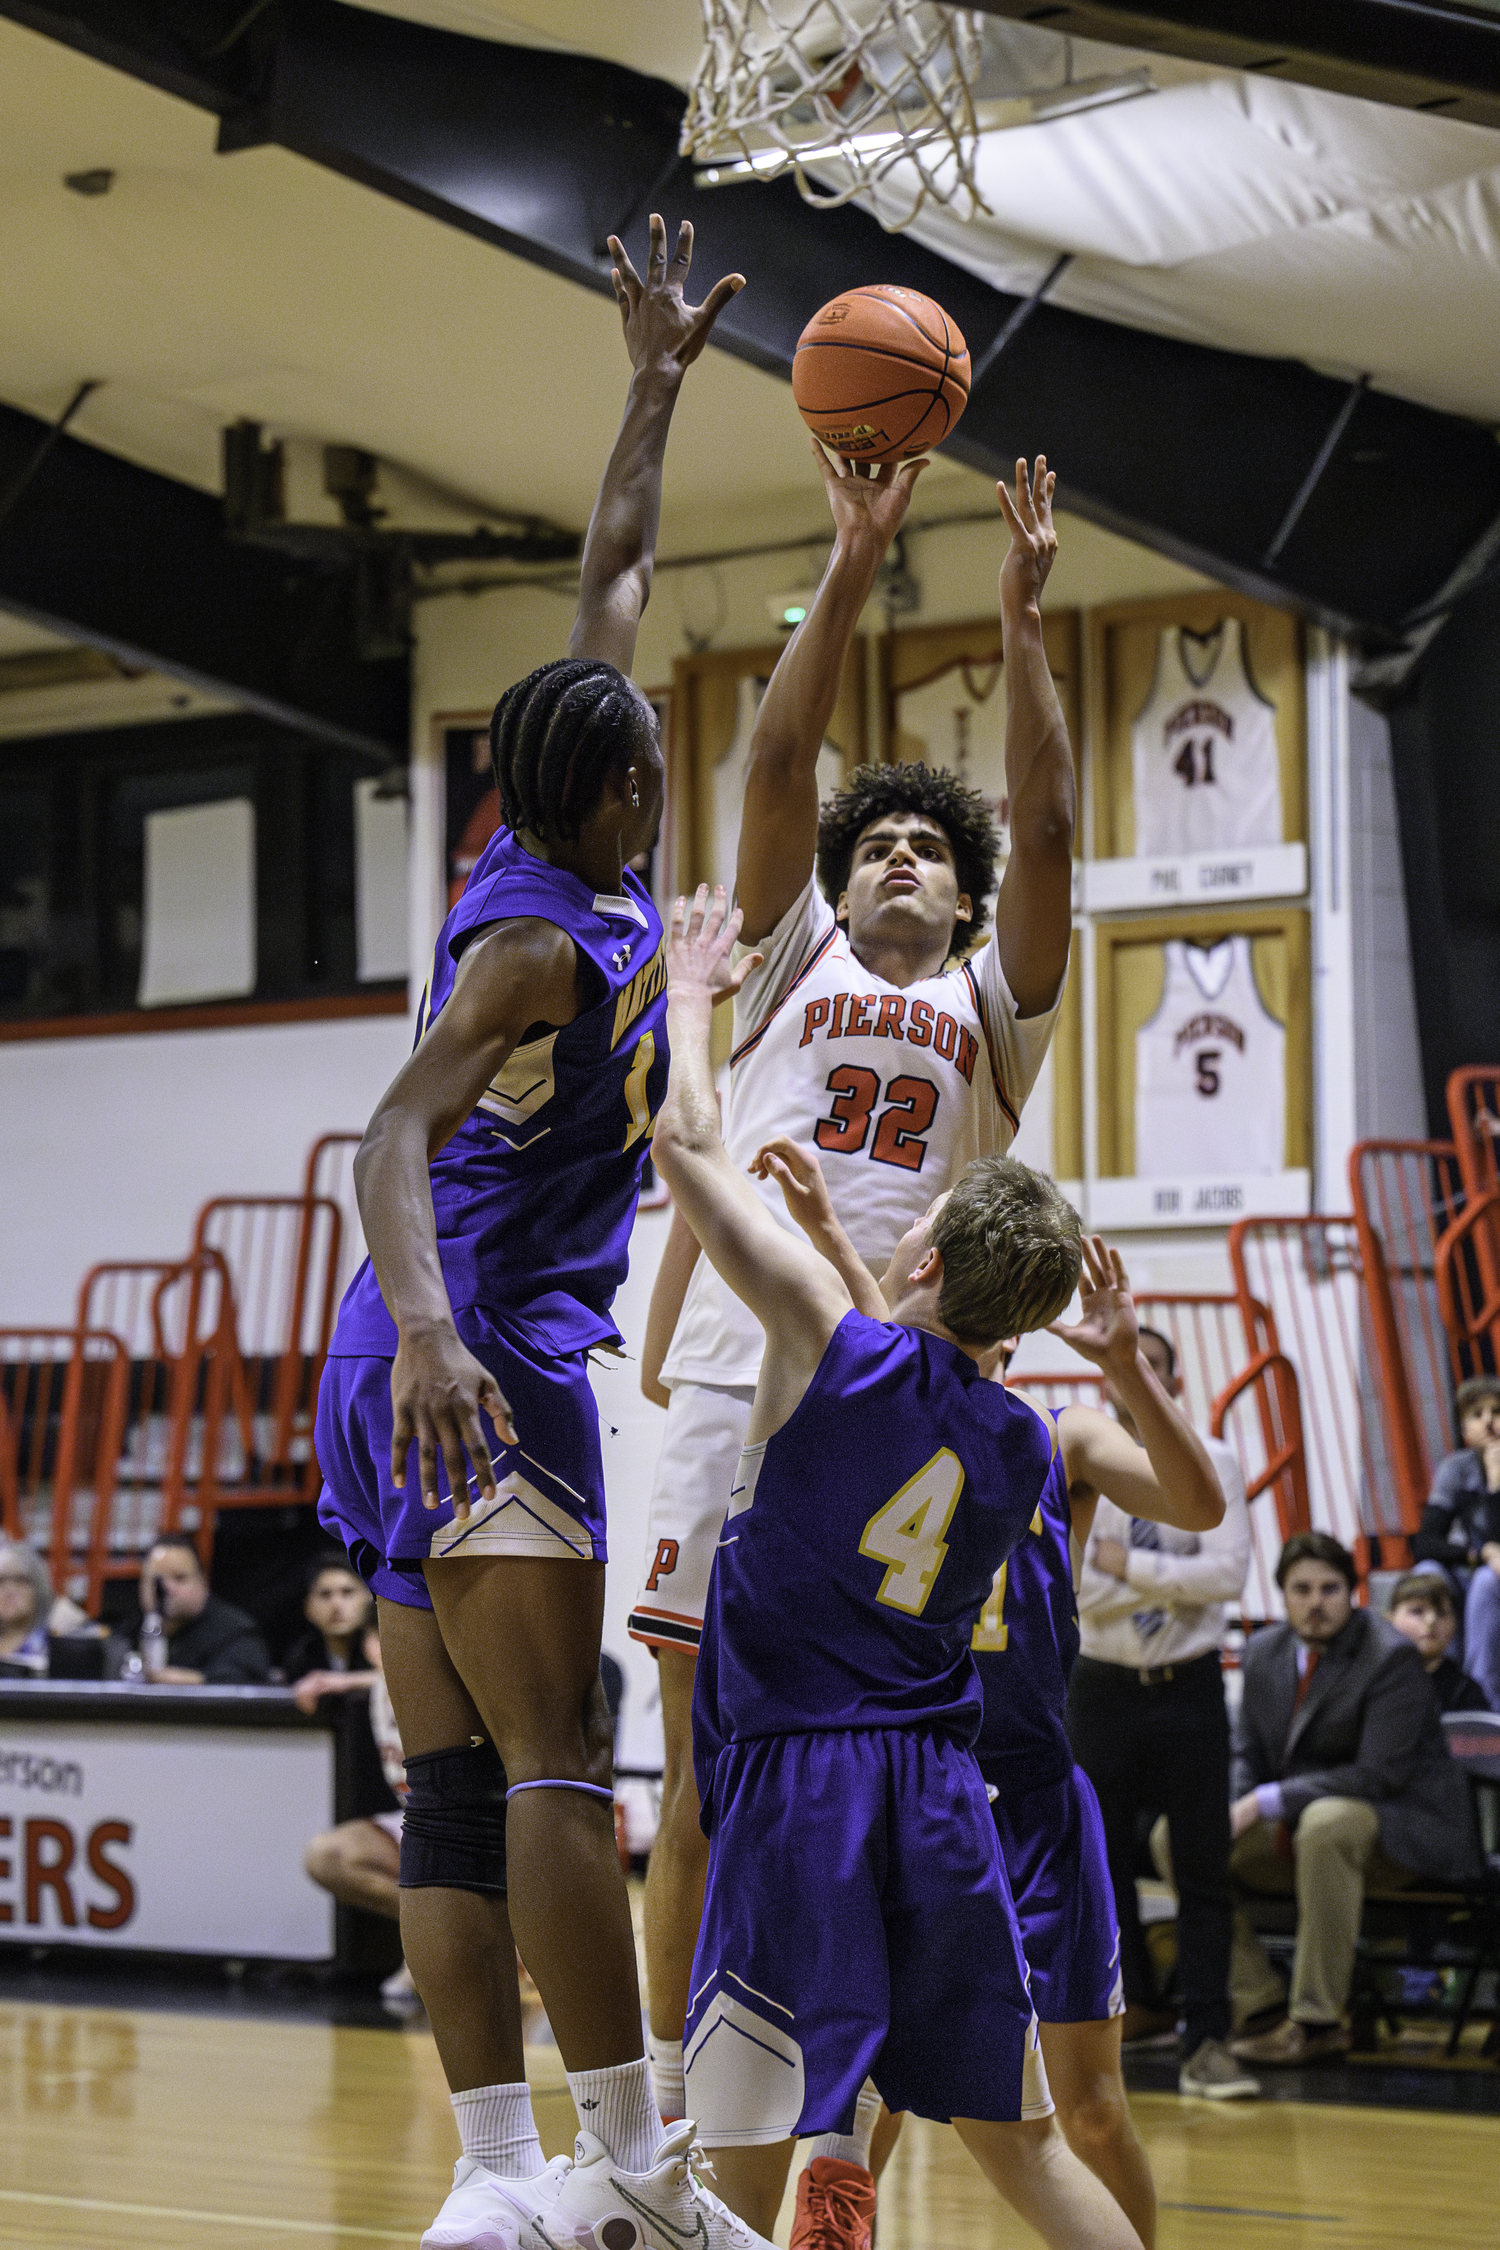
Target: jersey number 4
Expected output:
[907,1533]
[911,1108]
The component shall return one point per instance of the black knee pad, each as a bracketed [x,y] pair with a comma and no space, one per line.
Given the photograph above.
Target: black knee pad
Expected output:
[453,1832]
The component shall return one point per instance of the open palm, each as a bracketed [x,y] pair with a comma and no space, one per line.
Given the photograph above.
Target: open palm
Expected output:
[1108,1333]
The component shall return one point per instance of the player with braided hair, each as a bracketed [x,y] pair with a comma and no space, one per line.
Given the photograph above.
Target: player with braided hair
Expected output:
[497,1183]
[877,1029]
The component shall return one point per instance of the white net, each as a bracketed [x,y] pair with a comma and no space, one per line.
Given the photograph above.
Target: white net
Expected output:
[849,96]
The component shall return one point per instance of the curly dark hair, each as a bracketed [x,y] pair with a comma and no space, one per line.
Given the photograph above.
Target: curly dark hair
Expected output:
[962,814]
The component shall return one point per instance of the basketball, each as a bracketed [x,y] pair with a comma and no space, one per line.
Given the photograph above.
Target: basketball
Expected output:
[881,374]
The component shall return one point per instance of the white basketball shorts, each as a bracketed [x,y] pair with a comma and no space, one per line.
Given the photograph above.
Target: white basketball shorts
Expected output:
[700,1450]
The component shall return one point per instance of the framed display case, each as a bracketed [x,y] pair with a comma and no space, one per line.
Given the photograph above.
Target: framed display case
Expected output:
[714,699]
[1197,726]
[943,695]
[1203,1069]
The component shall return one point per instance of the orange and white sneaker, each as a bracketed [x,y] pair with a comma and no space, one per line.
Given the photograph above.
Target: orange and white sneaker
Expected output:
[835,2206]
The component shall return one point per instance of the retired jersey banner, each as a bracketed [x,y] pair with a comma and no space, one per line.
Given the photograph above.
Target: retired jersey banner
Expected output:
[176,1839]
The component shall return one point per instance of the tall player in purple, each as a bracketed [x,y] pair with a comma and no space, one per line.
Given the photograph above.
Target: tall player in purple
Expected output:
[857,1918]
[1025,1643]
[497,1184]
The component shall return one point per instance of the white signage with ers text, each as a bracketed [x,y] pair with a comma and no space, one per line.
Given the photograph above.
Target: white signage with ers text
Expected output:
[174,1839]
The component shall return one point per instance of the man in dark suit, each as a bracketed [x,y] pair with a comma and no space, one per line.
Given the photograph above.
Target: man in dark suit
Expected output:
[1342,1782]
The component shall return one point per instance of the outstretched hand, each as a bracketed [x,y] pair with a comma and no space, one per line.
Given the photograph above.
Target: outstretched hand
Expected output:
[869,508]
[699,944]
[1108,1333]
[799,1176]
[1033,542]
[661,329]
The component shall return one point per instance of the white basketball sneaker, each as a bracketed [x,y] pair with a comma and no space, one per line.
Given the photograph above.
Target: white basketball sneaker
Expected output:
[484,2212]
[601,2207]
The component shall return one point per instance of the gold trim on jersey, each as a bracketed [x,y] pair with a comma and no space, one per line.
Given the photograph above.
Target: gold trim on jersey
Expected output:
[638,995]
[525,1082]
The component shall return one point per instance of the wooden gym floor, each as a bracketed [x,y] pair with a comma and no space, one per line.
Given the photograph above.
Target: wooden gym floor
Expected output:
[125,2128]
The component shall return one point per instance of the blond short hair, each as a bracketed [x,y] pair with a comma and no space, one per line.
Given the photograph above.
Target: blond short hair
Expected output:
[1012,1247]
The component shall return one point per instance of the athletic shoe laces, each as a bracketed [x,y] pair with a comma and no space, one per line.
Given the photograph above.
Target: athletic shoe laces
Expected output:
[837,2217]
[698,2165]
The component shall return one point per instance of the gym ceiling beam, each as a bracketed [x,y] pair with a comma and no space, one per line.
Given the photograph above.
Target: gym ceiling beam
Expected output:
[118,558]
[1194,451]
[1411,54]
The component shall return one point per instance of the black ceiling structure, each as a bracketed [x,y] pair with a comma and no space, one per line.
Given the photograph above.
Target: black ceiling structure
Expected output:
[139,565]
[1353,506]
[1413,54]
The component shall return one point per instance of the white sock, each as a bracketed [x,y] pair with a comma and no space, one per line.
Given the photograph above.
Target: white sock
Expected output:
[616,2106]
[497,2129]
[852,2148]
[667,2083]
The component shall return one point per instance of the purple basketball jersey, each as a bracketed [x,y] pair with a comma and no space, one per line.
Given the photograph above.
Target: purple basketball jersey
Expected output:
[861,1540]
[1024,1644]
[535,1194]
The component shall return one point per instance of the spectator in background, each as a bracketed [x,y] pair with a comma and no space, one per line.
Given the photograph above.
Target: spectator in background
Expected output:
[1342,1782]
[339,1609]
[203,1639]
[359,1862]
[1421,1607]
[25,1603]
[29,1610]
[1149,1727]
[1460,1528]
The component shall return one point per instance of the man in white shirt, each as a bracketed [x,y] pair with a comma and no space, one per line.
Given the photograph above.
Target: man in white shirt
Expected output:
[1148,1724]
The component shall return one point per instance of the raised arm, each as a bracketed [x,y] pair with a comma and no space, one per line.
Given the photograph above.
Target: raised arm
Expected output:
[520,972]
[1034,910]
[779,832]
[795,1295]
[799,1176]
[678,1258]
[663,336]
[1168,1477]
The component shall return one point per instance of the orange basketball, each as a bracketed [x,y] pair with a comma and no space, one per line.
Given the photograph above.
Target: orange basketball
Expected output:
[880,374]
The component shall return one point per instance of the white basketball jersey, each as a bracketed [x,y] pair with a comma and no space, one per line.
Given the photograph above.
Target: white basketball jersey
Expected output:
[1207,775]
[896,1088]
[1210,1070]
[732,771]
[958,720]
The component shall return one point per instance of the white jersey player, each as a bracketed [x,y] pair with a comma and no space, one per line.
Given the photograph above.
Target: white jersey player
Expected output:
[1210,1069]
[1207,775]
[855,1035]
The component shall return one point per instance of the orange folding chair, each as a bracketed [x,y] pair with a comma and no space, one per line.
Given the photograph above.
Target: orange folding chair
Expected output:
[281,1256]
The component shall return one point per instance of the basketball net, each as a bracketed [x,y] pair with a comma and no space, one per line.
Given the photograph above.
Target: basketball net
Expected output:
[859,94]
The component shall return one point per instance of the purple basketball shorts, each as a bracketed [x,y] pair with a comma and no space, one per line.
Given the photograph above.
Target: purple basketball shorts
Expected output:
[550,1496]
[857,1922]
[1052,1842]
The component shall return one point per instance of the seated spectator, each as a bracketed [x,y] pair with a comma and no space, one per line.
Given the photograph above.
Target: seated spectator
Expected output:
[339,1609]
[1460,1528]
[25,1600]
[360,1860]
[29,1610]
[207,1640]
[1421,1607]
[1342,1781]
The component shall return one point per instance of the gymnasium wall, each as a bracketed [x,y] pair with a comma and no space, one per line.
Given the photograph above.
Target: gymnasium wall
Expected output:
[109,1146]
